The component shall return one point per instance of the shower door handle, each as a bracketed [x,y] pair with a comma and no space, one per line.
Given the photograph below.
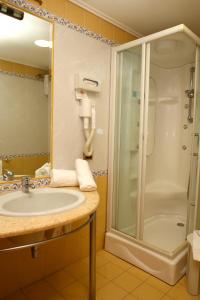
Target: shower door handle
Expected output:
[196,134]
[195,154]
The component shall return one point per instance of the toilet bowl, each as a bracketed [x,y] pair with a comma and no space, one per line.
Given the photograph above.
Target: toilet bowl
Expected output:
[192,272]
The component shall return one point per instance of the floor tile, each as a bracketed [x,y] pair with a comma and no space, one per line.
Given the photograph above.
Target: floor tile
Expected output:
[111,291]
[137,272]
[100,281]
[179,292]
[101,260]
[167,298]
[116,280]
[41,290]
[130,297]
[127,281]
[121,263]
[147,292]
[60,280]
[106,255]
[16,296]
[182,281]
[158,284]
[75,289]
[78,269]
[110,271]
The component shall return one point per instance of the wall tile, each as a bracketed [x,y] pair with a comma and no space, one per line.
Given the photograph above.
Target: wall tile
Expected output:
[107,29]
[74,13]
[80,16]
[20,68]
[92,22]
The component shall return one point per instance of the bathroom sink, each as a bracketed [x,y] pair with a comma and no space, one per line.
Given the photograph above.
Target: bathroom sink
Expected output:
[40,202]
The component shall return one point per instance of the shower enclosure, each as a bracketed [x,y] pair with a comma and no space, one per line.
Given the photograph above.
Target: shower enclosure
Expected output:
[154,151]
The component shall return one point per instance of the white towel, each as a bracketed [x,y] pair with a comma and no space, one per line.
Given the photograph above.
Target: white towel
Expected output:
[196,245]
[84,175]
[43,170]
[60,177]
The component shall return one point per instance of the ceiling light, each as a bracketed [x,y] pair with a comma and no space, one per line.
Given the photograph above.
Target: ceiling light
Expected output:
[43,43]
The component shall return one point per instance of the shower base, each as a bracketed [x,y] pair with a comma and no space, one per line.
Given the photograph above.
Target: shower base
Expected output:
[168,269]
[173,227]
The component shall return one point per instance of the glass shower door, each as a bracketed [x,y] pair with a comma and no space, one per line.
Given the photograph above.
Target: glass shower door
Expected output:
[127,140]
[194,201]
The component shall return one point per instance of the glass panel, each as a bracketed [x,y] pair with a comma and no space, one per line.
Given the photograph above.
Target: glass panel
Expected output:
[127,140]
[169,138]
[194,205]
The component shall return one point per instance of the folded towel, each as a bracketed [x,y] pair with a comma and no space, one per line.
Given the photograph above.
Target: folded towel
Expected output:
[84,175]
[196,245]
[44,170]
[61,177]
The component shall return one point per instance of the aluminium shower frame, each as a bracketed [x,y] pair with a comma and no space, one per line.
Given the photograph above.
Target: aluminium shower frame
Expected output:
[144,95]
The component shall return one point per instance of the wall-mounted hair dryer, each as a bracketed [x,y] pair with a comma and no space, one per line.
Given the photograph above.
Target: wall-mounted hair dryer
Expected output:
[87,109]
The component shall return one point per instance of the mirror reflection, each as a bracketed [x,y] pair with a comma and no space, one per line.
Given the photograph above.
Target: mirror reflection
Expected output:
[25,95]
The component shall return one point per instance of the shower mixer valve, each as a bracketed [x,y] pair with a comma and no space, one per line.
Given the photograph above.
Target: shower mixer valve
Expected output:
[190,93]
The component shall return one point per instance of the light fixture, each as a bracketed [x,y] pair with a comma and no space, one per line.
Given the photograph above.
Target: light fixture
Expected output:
[43,43]
[11,12]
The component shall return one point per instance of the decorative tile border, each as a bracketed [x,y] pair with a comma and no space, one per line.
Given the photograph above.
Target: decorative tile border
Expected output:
[16,185]
[21,75]
[99,173]
[38,182]
[12,156]
[49,16]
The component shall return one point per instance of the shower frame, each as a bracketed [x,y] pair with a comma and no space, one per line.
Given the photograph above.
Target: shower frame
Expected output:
[144,95]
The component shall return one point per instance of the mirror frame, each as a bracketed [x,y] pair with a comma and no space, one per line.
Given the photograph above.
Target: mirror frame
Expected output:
[52,90]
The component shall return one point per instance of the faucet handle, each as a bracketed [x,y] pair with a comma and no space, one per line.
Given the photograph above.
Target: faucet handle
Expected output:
[25,179]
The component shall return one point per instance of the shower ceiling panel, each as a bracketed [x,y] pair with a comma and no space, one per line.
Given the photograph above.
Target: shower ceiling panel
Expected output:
[173,51]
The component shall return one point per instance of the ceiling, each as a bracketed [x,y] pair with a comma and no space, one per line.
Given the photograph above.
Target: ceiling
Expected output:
[148,16]
[17,40]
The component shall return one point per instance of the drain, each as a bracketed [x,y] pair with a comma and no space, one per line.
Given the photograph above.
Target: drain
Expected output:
[180,224]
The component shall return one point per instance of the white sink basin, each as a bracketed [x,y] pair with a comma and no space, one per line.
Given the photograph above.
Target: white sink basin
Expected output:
[40,202]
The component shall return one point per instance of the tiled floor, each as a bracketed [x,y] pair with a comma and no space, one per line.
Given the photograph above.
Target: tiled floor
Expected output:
[116,280]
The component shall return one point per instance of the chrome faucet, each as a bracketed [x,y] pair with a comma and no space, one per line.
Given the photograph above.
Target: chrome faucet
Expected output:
[26,184]
[8,175]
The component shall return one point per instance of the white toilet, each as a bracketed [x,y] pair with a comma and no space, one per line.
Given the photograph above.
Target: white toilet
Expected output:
[193,272]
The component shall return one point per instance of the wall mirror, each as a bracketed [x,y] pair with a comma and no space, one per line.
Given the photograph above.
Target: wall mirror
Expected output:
[25,94]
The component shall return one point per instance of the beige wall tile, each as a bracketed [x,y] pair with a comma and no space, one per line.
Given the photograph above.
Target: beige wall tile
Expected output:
[130,37]
[120,36]
[25,165]
[80,16]
[57,7]
[74,13]
[92,22]
[20,68]
[107,29]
